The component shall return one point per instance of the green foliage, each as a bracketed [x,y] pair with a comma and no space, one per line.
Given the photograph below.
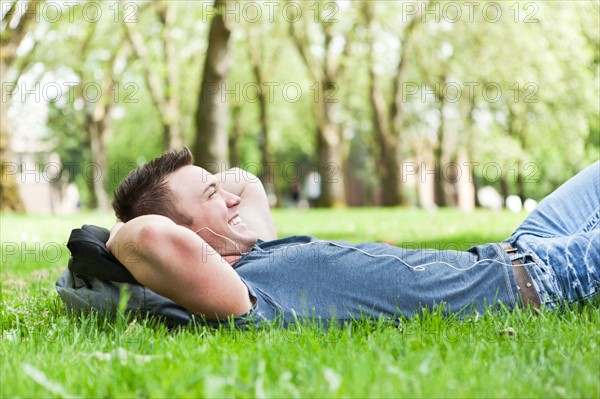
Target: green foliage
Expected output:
[137,138]
[542,55]
[46,353]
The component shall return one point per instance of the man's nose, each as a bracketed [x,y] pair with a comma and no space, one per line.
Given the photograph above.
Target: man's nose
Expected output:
[232,200]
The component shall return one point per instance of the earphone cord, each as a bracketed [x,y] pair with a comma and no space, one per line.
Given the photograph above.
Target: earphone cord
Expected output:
[228,239]
[420,267]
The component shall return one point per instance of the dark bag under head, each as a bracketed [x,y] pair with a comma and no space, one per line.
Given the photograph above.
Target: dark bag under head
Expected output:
[95,281]
[91,258]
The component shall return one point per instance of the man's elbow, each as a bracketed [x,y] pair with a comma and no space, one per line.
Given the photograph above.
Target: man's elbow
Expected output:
[145,234]
[243,176]
[154,232]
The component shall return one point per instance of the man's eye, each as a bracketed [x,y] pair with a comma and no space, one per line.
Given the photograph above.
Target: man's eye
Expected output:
[212,194]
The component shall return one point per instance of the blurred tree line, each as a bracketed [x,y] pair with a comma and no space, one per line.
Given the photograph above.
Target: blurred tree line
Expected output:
[390,102]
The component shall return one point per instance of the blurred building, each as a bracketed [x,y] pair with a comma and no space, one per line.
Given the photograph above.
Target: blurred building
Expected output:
[42,182]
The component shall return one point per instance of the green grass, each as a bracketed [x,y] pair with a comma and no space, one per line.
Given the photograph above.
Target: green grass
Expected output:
[45,353]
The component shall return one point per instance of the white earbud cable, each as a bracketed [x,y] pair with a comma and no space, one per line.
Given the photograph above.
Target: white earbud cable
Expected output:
[420,267]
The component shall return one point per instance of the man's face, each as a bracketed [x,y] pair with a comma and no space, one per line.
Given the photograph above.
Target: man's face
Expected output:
[213,210]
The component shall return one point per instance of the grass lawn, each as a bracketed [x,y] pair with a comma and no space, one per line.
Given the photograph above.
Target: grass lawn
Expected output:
[46,353]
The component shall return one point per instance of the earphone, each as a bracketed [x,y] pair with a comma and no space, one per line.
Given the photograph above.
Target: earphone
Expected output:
[228,239]
[420,267]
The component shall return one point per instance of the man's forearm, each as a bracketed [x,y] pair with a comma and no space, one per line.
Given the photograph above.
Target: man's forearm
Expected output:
[254,207]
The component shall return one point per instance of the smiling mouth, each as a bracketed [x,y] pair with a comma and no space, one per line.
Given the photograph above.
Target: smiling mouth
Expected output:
[235,220]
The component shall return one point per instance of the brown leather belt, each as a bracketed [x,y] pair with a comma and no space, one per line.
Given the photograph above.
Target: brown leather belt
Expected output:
[524,284]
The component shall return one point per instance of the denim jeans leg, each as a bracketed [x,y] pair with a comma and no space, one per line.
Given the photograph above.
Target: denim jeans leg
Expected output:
[574,207]
[562,238]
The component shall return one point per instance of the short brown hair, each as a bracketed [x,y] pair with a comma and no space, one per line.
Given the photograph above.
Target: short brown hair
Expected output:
[145,191]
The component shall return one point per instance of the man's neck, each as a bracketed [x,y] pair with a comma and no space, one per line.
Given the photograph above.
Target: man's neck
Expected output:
[231,259]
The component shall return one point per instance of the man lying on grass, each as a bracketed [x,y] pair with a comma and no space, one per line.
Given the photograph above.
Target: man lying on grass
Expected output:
[208,243]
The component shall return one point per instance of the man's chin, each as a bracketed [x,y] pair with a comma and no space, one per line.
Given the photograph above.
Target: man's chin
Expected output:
[245,235]
[251,238]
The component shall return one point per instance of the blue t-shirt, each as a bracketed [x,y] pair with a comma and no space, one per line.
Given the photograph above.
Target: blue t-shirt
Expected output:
[301,277]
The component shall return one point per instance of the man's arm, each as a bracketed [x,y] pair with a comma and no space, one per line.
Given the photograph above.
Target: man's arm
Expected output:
[176,263]
[254,207]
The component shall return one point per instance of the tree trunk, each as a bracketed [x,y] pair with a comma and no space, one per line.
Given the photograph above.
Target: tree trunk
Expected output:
[236,135]
[465,184]
[330,141]
[425,185]
[504,189]
[167,13]
[390,157]
[255,48]
[97,134]
[10,198]
[210,147]
[520,135]
[521,186]
[172,137]
[265,153]
[12,34]
[331,166]
[392,193]
[331,158]
[438,150]
[98,126]
[468,190]
[164,92]
[389,117]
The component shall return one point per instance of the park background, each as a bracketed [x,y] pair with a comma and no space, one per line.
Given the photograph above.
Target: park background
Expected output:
[396,103]
[417,103]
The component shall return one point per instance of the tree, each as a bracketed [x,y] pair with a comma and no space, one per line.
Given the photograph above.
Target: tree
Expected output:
[325,70]
[210,146]
[164,90]
[88,58]
[540,112]
[256,49]
[438,66]
[97,119]
[388,115]
[17,23]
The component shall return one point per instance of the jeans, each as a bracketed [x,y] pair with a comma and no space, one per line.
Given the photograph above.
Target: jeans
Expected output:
[559,241]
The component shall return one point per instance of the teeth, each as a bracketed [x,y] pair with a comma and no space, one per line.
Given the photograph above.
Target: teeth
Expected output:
[235,220]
